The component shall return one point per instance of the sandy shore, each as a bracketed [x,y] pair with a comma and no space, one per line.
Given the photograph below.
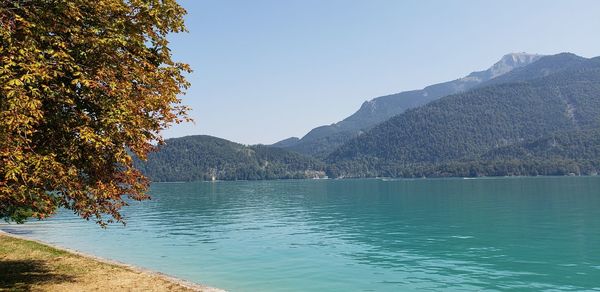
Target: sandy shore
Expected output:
[31,265]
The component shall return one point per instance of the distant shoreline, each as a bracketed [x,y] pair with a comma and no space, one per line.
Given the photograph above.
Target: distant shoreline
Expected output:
[375,178]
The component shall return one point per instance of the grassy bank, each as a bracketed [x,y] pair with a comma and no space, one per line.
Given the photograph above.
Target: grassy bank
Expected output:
[31,266]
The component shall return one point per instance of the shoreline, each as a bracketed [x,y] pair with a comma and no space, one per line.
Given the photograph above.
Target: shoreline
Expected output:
[378,178]
[133,268]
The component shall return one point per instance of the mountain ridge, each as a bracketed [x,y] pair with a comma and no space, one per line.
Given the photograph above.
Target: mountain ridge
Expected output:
[465,125]
[321,141]
[540,119]
[203,157]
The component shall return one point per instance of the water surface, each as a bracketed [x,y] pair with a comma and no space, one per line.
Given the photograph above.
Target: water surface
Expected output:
[357,235]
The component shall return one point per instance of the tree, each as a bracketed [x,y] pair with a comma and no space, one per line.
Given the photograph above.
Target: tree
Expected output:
[84,86]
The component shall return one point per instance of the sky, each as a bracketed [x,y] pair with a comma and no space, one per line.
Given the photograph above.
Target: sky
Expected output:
[266,70]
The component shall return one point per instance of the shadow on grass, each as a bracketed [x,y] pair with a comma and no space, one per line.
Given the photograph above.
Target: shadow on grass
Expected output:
[23,274]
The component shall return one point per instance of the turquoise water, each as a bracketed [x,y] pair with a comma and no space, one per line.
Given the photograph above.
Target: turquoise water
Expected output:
[357,235]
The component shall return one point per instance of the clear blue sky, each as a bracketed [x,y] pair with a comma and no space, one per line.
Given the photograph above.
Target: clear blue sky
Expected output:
[265,70]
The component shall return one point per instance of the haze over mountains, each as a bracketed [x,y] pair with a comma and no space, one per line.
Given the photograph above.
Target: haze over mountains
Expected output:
[468,125]
[323,140]
[525,115]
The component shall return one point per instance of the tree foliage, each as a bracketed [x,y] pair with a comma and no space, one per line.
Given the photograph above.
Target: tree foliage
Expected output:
[84,85]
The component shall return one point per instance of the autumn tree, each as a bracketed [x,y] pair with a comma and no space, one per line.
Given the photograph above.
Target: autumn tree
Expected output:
[84,86]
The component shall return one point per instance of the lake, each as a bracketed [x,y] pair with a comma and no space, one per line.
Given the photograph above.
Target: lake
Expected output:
[356,235]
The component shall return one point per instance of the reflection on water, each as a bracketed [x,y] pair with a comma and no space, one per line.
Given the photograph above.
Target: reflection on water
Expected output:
[357,235]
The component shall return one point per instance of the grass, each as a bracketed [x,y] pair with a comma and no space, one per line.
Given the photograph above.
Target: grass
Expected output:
[30,266]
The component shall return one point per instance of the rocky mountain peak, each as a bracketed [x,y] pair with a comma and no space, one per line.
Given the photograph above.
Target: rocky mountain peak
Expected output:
[506,64]
[511,61]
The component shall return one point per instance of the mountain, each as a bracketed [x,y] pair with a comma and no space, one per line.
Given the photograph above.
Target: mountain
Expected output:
[286,143]
[321,141]
[574,145]
[563,153]
[206,158]
[541,68]
[537,119]
[562,96]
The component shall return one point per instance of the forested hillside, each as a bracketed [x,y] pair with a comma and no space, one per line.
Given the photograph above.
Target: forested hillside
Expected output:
[540,119]
[576,145]
[464,127]
[323,140]
[205,157]
[567,153]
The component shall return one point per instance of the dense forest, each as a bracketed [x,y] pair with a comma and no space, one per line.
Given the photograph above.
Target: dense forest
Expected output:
[569,153]
[449,136]
[322,141]
[540,119]
[205,158]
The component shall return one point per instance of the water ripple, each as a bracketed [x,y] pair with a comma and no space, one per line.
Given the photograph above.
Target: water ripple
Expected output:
[357,235]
